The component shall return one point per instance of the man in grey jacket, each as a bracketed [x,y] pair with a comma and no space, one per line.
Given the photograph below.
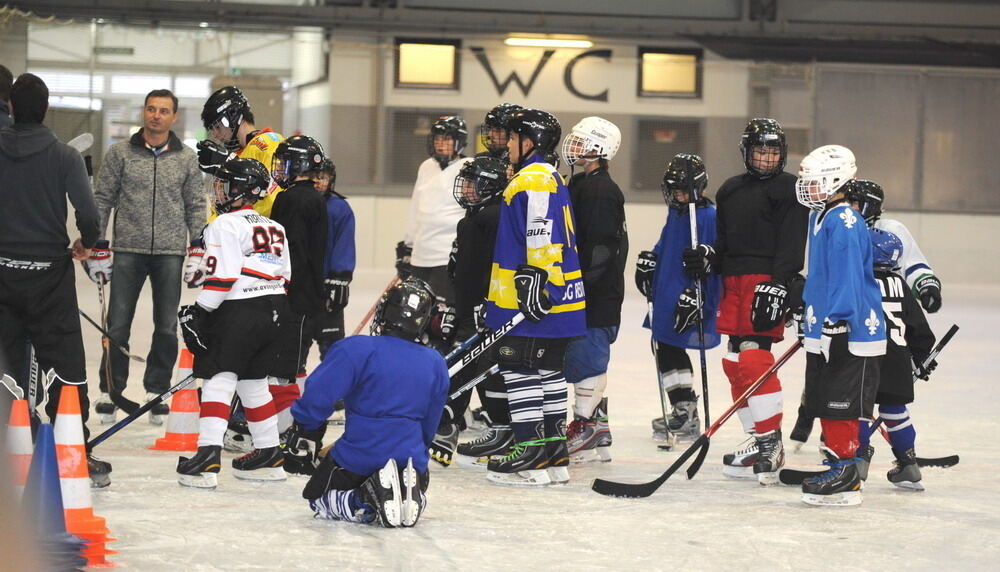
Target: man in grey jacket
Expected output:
[153,183]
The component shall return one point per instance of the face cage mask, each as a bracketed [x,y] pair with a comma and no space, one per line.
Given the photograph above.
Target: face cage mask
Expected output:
[575,148]
[778,167]
[813,192]
[496,148]
[281,172]
[233,143]
[223,201]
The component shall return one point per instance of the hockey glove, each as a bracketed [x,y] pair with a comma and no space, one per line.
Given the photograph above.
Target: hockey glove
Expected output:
[698,260]
[211,155]
[443,319]
[833,339]
[928,290]
[770,302]
[192,319]
[479,318]
[532,299]
[98,265]
[194,268]
[302,448]
[686,314]
[921,371]
[442,448]
[644,268]
[337,290]
[453,259]
[403,254]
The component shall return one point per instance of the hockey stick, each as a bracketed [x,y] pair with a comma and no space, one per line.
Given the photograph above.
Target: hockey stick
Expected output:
[111,340]
[371,311]
[139,412]
[700,298]
[485,344]
[669,445]
[81,142]
[642,490]
[120,401]
[934,352]
[479,379]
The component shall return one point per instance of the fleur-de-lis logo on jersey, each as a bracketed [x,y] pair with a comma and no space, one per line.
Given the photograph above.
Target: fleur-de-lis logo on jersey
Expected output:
[847,215]
[872,322]
[810,318]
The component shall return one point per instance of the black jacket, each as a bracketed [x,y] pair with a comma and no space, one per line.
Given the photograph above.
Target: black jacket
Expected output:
[761,227]
[5,119]
[301,209]
[476,236]
[37,174]
[602,241]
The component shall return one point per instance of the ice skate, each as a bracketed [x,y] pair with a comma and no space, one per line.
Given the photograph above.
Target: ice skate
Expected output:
[477,419]
[683,421]
[864,460]
[105,408]
[905,473]
[770,457]
[237,438]
[442,449]
[496,440]
[801,430]
[381,493]
[339,415]
[524,466]
[158,414]
[412,495]
[558,455]
[840,485]
[260,465]
[590,439]
[739,463]
[202,470]
[100,472]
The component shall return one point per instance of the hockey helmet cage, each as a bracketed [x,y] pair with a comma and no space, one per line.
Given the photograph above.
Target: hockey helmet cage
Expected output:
[591,139]
[226,107]
[296,156]
[480,180]
[887,249]
[236,179]
[541,128]
[686,173]
[404,310]
[763,132]
[451,126]
[869,196]
[822,173]
[495,130]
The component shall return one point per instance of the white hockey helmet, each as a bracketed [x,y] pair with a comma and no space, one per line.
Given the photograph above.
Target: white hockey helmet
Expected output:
[591,139]
[822,173]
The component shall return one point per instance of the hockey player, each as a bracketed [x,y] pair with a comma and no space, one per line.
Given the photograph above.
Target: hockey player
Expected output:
[660,277]
[843,324]
[536,271]
[495,131]
[602,243]
[759,249]
[233,326]
[339,260]
[394,389]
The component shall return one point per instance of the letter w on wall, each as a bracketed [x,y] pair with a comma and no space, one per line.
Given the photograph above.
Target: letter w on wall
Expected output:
[480,54]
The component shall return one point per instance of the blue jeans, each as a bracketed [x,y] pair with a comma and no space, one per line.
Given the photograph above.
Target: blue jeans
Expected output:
[129,274]
[589,356]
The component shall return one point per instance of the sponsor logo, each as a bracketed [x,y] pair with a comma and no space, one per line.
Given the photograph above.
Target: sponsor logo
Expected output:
[838,404]
[506,351]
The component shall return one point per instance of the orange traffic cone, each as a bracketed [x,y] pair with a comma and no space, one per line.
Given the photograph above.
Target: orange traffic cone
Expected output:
[182,423]
[74,479]
[19,443]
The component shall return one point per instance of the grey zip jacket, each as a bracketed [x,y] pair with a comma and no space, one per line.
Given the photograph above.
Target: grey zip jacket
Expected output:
[159,201]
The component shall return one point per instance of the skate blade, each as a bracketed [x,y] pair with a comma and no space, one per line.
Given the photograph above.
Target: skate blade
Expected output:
[558,475]
[411,502]
[262,474]
[910,486]
[200,481]
[532,478]
[738,472]
[98,481]
[851,498]
[471,462]
[768,479]
[392,508]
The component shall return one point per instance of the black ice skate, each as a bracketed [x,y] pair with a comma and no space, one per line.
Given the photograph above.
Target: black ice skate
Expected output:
[411,488]
[840,485]
[905,473]
[100,472]
[558,455]
[260,465]
[683,421]
[524,465]
[590,439]
[237,438]
[105,408]
[158,414]
[739,463]
[202,470]
[442,449]
[770,457]
[864,460]
[496,440]
[381,493]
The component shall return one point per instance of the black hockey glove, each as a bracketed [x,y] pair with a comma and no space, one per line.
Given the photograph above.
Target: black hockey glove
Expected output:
[698,261]
[920,371]
[453,259]
[479,318]
[211,155]
[833,339]
[796,307]
[301,449]
[337,290]
[644,268]
[928,289]
[443,319]
[192,319]
[686,314]
[99,265]
[442,448]
[532,299]
[770,302]
[403,254]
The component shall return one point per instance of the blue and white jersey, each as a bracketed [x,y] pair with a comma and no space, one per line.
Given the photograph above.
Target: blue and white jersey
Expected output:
[841,283]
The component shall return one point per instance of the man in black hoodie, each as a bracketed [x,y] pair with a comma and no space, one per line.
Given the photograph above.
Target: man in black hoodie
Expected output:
[6,80]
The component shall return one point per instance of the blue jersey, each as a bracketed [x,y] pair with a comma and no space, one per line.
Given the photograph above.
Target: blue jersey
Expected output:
[841,284]
[669,279]
[536,228]
[340,252]
[393,391]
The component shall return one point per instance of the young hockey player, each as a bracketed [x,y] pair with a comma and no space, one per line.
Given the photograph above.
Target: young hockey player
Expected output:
[394,389]
[536,271]
[340,258]
[232,328]
[602,243]
[495,131]
[759,249]
[661,278]
[843,324]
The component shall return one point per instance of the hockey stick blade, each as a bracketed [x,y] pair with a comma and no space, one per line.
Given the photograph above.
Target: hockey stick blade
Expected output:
[939,462]
[123,403]
[696,465]
[138,412]
[105,333]
[81,142]
[643,490]
[796,476]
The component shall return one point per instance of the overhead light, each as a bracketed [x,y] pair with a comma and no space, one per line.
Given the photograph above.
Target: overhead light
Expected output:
[547,43]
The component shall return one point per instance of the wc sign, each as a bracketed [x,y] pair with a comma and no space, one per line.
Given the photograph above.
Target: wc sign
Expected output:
[526,85]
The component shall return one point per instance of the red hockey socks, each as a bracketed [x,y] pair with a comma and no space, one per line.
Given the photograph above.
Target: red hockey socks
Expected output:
[841,436]
[766,403]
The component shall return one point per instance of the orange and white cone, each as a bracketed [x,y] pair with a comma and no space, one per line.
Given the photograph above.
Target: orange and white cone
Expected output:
[74,479]
[19,446]
[182,423]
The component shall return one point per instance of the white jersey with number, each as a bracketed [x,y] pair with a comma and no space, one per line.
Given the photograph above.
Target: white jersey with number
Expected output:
[246,255]
[913,264]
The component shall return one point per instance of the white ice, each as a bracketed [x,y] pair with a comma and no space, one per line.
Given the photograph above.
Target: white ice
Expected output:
[709,522]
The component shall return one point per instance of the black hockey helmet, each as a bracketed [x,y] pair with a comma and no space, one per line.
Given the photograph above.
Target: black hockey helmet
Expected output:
[541,128]
[450,126]
[296,156]
[480,180]
[226,107]
[763,132]
[404,310]
[495,130]
[236,179]
[869,196]
[887,249]
[686,172]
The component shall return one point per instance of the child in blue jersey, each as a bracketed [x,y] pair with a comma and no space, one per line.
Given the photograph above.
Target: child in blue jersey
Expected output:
[536,271]
[394,390]
[340,258]
[844,326]
[661,278]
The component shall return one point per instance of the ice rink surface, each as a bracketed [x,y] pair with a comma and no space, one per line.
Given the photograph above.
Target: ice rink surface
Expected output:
[710,522]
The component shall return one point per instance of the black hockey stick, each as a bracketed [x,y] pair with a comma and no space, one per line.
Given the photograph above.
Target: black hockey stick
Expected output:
[111,340]
[922,367]
[700,293]
[642,490]
[669,445]
[473,352]
[139,412]
[479,379]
